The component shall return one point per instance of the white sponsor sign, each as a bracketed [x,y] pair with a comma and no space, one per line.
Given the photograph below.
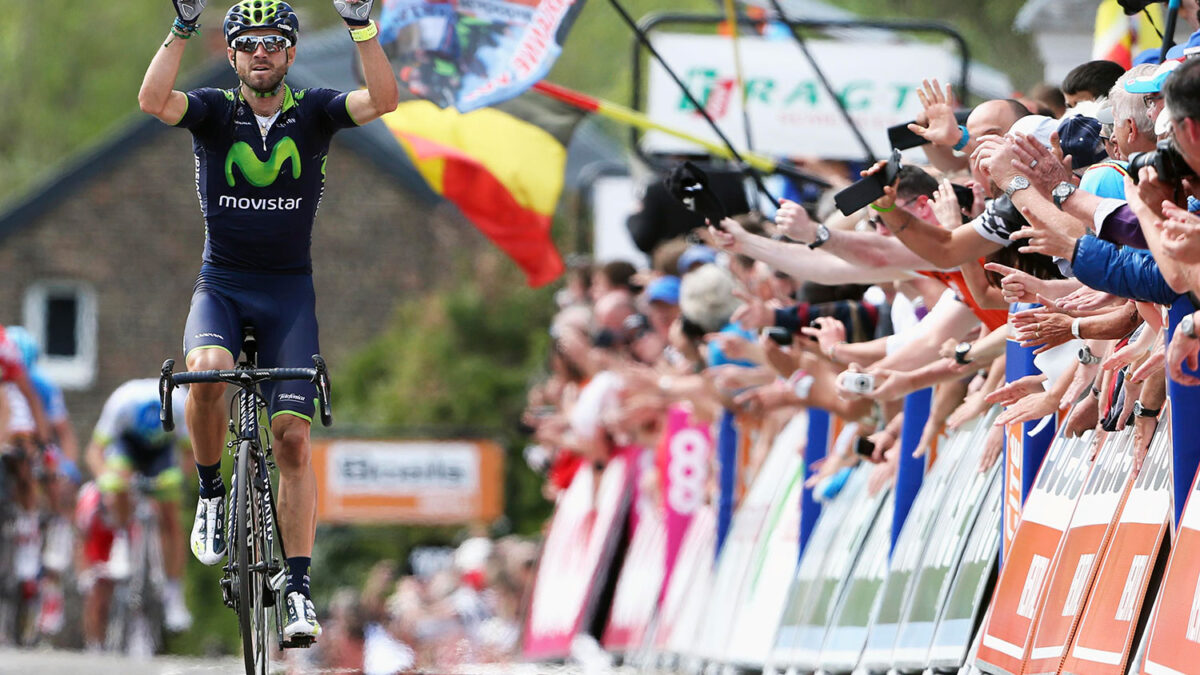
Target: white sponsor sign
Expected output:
[363,467]
[790,112]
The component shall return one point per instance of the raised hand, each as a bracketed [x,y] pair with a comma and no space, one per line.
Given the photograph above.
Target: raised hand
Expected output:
[793,221]
[354,12]
[1050,239]
[188,11]
[941,127]
[945,206]
[829,333]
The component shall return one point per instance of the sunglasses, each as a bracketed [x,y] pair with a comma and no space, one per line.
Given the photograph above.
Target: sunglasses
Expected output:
[271,43]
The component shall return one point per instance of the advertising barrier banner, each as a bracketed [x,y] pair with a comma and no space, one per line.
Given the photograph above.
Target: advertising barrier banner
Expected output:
[1173,645]
[856,612]
[1020,590]
[578,550]
[785,101]
[688,585]
[1083,547]
[826,590]
[360,481]
[973,581]
[746,538]
[1109,624]
[950,527]
[683,474]
[828,536]
[638,587]
[924,515]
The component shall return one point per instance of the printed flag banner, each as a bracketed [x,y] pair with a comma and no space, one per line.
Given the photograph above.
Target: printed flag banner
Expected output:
[503,167]
[1119,38]
[471,54]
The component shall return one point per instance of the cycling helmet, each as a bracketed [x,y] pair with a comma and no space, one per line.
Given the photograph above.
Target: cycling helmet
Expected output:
[24,341]
[252,14]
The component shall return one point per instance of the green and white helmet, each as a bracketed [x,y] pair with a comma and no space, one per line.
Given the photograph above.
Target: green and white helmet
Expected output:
[254,14]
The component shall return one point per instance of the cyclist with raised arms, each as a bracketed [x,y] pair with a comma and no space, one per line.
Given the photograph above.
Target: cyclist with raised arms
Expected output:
[260,171]
[129,441]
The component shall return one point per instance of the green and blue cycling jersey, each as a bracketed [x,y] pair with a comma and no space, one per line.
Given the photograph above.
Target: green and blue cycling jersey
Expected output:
[259,194]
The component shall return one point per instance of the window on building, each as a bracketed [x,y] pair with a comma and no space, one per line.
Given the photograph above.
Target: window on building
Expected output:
[62,316]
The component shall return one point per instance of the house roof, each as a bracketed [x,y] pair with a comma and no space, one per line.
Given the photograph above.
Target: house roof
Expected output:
[326,60]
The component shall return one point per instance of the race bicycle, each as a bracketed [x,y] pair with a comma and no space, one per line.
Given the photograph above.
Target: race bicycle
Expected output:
[136,617]
[253,576]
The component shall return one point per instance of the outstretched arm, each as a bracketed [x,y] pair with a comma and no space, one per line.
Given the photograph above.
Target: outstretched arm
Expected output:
[158,96]
[382,93]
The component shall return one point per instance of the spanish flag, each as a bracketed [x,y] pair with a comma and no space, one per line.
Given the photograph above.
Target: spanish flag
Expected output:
[1119,38]
[502,166]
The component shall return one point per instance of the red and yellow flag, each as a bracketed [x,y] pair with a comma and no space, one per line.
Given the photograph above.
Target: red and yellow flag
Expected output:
[1119,38]
[503,167]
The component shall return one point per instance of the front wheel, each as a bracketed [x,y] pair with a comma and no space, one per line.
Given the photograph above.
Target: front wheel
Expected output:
[249,549]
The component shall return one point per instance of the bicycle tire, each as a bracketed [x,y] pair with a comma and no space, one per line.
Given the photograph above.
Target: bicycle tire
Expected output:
[252,614]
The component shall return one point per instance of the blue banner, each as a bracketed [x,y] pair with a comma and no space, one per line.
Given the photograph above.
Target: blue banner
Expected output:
[815,450]
[910,471]
[474,53]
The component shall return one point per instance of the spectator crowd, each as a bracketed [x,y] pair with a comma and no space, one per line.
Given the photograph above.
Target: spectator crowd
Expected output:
[1065,225]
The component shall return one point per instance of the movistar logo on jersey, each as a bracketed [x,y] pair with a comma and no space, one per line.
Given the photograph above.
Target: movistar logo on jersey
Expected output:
[259,173]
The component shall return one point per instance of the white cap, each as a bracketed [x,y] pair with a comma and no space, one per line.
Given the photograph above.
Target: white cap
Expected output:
[1038,126]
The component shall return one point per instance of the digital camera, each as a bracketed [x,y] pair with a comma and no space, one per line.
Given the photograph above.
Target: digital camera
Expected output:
[859,383]
[1166,159]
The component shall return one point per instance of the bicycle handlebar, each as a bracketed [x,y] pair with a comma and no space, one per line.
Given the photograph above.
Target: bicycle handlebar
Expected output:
[244,378]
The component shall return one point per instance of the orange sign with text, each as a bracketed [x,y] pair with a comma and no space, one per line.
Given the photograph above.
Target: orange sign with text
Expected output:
[1021,589]
[436,482]
[1107,630]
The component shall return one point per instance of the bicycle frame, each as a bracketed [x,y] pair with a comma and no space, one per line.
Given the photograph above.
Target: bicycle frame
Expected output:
[253,584]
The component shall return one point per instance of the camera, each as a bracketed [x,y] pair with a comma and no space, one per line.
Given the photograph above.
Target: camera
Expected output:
[864,447]
[779,335]
[1166,159]
[858,383]
[868,188]
[689,184]
[1132,7]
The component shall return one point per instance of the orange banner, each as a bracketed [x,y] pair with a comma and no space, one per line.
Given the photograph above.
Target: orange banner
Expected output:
[435,482]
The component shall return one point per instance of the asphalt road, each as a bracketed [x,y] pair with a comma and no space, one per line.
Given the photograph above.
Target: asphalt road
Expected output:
[15,662]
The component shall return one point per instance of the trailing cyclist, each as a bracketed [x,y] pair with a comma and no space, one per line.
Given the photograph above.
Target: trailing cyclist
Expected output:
[25,432]
[129,442]
[260,171]
[60,480]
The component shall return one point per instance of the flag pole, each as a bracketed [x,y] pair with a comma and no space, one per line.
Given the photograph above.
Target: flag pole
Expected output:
[731,17]
[641,36]
[837,100]
[625,115]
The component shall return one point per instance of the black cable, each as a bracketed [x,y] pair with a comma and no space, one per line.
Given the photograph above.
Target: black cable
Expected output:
[1150,18]
[641,36]
[841,105]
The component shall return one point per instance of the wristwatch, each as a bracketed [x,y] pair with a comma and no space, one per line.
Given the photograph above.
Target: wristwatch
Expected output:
[1140,411]
[1018,183]
[1062,192]
[822,236]
[960,353]
[1086,357]
[1188,326]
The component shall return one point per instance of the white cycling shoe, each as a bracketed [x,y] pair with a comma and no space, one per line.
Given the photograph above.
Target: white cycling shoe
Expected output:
[208,530]
[301,617]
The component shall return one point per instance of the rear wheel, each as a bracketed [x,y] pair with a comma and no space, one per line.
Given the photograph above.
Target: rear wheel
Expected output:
[248,547]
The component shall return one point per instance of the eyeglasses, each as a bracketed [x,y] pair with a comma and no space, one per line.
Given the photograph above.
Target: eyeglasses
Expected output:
[271,43]
[1149,99]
